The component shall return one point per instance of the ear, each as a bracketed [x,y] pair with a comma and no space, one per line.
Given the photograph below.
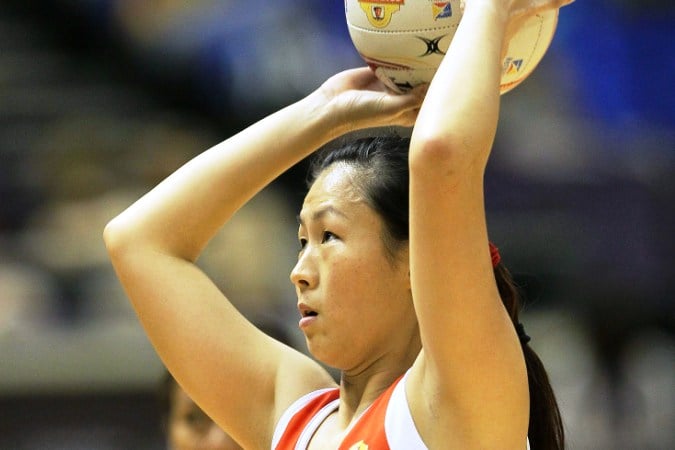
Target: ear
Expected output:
[405,264]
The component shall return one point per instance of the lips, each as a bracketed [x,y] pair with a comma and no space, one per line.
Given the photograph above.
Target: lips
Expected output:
[307,316]
[306,311]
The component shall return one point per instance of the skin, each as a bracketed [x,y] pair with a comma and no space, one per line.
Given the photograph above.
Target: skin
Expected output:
[343,274]
[468,385]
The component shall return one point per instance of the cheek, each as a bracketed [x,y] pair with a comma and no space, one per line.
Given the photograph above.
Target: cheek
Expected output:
[358,282]
[343,291]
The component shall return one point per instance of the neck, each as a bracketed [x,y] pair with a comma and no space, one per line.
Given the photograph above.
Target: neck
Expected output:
[360,387]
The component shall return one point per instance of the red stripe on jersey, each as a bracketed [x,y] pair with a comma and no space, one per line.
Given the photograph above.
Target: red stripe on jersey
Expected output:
[367,433]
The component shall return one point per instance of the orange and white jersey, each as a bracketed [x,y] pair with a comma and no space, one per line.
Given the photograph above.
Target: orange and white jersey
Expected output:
[385,425]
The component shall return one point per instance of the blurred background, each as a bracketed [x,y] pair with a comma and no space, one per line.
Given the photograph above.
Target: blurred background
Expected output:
[101,99]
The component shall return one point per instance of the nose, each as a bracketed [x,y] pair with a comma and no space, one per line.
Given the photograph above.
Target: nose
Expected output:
[304,274]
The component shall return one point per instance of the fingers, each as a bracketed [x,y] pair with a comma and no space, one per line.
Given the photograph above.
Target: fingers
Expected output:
[531,7]
[361,100]
[363,77]
[408,118]
[406,107]
[420,91]
[410,100]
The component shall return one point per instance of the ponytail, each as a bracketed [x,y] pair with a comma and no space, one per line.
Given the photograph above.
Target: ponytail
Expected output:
[545,430]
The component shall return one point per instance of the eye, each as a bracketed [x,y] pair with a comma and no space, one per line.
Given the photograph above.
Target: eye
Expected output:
[327,236]
[303,243]
[197,420]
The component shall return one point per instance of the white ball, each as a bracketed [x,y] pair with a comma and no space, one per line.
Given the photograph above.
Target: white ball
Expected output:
[404,41]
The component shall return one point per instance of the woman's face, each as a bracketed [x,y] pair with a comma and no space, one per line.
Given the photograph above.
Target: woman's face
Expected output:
[355,303]
[191,429]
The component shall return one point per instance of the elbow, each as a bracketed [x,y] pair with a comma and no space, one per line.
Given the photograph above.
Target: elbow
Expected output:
[447,154]
[115,237]
[126,238]
[110,235]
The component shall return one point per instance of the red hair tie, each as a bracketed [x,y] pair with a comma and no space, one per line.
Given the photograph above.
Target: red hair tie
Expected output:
[494,254]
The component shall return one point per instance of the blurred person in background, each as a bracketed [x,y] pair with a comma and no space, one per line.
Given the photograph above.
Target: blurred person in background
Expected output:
[186,425]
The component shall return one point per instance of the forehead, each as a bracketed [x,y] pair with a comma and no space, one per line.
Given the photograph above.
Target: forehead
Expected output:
[334,187]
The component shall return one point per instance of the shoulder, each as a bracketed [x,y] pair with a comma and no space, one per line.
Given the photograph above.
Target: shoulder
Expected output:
[462,420]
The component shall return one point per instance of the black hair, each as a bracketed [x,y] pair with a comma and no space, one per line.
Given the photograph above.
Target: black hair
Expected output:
[383,162]
[382,180]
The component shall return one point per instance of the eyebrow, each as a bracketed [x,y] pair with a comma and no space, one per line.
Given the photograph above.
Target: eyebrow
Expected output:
[321,212]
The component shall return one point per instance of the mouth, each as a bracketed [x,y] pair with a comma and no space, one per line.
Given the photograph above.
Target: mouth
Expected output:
[306,311]
[307,316]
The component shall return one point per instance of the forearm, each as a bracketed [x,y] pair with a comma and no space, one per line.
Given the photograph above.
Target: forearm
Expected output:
[181,214]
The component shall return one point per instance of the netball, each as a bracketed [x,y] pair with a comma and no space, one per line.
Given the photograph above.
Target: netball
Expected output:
[404,41]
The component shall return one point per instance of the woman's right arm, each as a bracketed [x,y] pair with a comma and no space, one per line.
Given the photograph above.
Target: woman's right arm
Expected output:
[480,386]
[242,378]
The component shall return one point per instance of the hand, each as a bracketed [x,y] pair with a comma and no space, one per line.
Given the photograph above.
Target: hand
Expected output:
[518,12]
[527,8]
[358,99]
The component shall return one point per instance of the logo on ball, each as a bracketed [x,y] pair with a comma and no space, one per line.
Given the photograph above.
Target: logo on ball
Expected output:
[404,41]
[432,46]
[379,12]
[512,66]
[442,10]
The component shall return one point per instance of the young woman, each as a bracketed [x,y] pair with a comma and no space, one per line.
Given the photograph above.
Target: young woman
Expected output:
[417,314]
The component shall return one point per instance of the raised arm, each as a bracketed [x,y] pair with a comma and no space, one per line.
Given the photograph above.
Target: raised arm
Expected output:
[472,360]
[239,376]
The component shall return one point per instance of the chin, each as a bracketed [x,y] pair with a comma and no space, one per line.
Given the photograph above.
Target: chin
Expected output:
[326,356]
